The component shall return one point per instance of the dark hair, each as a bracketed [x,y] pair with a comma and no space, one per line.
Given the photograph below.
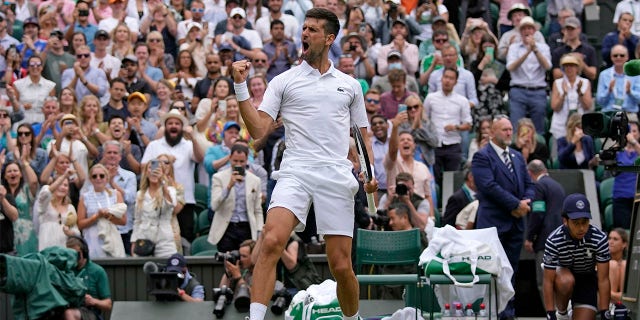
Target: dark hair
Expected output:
[479,122]
[193,69]
[141,44]
[401,210]
[450,69]
[485,38]
[73,241]
[238,148]
[275,22]
[120,80]
[439,33]
[331,25]
[116,116]
[378,115]
[4,181]
[348,15]
[72,50]
[33,145]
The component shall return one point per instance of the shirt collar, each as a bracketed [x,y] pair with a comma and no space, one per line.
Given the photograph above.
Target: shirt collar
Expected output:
[309,69]
[497,149]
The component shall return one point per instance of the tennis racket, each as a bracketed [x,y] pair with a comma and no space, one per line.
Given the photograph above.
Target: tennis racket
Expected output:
[365,166]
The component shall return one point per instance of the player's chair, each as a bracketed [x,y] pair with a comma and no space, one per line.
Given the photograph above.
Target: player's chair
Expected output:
[379,248]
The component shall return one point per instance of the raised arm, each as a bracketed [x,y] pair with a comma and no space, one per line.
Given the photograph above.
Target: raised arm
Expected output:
[257,123]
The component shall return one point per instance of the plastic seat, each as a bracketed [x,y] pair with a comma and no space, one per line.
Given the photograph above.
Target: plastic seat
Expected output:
[201,194]
[374,248]
[606,192]
[203,222]
[200,244]
[608,217]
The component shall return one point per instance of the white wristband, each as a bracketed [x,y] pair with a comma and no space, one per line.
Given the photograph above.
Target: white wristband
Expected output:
[242,91]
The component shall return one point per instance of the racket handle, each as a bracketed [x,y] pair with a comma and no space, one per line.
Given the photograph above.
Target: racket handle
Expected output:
[371,204]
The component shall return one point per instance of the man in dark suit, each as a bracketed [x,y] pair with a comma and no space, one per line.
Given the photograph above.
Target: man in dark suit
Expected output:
[545,216]
[505,191]
[460,199]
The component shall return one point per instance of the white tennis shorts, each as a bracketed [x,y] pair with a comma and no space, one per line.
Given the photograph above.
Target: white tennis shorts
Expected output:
[330,188]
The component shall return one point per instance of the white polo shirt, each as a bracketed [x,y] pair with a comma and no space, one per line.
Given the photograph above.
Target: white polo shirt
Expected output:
[183,167]
[317,111]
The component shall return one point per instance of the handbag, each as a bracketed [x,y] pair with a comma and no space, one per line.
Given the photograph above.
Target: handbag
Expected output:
[144,247]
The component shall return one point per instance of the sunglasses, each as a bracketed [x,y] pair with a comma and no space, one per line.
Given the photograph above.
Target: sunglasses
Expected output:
[68,122]
[440,40]
[24,133]
[415,107]
[155,40]
[237,17]
[260,60]
[96,176]
[4,115]
[178,108]
[619,55]
[197,10]
[83,55]
[35,65]
[374,101]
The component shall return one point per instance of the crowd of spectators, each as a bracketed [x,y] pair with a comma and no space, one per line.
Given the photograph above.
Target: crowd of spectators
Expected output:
[113,111]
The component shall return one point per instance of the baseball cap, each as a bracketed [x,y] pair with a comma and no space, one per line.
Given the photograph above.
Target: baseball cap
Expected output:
[576,206]
[231,124]
[225,46]
[101,33]
[237,11]
[356,35]
[399,21]
[31,20]
[396,2]
[138,95]
[175,263]
[130,57]
[572,22]
[394,53]
[194,25]
[438,19]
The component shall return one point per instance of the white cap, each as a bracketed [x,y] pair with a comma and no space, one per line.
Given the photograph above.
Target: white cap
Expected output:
[236,11]
[194,25]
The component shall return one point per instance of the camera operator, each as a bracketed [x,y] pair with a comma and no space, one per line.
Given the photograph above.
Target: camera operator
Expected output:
[402,192]
[190,290]
[97,300]
[241,271]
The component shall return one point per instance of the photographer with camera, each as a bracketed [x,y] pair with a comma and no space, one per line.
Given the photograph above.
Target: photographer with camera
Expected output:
[236,280]
[403,192]
[237,202]
[190,290]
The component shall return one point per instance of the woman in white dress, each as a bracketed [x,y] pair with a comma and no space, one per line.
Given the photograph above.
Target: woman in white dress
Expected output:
[57,216]
[99,209]
[154,210]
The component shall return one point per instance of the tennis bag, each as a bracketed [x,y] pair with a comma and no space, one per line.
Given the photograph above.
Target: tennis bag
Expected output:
[450,252]
[318,302]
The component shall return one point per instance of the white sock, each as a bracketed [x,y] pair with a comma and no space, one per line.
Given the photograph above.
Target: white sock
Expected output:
[353,317]
[257,311]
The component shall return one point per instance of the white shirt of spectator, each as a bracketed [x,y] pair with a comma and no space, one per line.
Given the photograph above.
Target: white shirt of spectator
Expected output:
[263,26]
[447,109]
[183,166]
[629,6]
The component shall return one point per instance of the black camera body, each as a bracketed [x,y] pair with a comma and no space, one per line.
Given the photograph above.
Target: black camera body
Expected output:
[231,256]
[281,300]
[223,297]
[352,48]
[240,170]
[401,189]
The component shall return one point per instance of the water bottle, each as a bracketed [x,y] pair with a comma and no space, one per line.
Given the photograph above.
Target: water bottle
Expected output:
[482,313]
[468,312]
[458,314]
[620,312]
[446,313]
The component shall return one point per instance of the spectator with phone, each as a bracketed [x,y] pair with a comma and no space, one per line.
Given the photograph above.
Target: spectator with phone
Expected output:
[236,200]
[81,23]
